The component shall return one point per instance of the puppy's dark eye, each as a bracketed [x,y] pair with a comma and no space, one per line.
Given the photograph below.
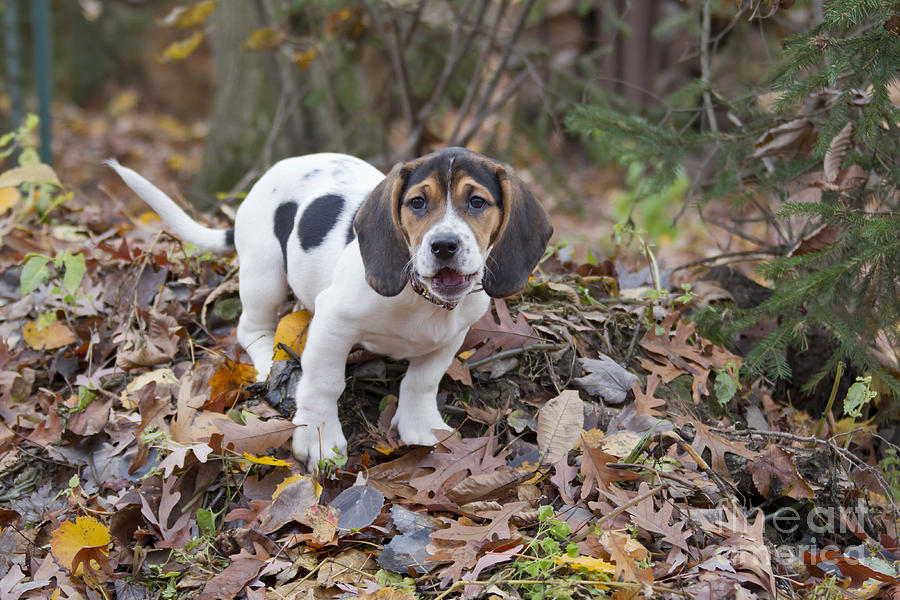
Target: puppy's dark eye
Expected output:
[417,203]
[477,202]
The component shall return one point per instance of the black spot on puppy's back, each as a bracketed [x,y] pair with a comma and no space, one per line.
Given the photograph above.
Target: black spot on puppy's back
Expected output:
[318,219]
[284,224]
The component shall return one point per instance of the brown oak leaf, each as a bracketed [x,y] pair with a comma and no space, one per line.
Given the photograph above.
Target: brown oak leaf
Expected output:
[706,439]
[776,464]
[597,474]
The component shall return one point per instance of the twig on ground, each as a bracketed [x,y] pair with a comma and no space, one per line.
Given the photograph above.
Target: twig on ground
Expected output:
[514,352]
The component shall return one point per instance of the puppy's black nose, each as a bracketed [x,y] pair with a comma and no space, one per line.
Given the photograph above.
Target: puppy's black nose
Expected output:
[445,247]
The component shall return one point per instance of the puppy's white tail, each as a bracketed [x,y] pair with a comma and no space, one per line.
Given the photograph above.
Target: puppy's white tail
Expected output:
[187,229]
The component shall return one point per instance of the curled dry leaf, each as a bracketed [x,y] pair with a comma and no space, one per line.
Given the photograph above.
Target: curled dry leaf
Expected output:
[484,485]
[559,425]
[834,156]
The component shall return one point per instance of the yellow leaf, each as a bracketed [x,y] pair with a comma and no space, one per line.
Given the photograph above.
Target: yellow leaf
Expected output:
[302,59]
[189,16]
[123,102]
[177,51]
[55,335]
[36,173]
[587,563]
[264,39]
[266,460]
[175,161]
[8,198]
[71,538]
[292,333]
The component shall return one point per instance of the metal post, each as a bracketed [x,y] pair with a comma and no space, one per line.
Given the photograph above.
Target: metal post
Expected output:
[43,50]
[12,50]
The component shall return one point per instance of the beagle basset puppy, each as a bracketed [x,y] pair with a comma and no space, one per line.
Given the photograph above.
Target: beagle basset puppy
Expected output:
[401,264]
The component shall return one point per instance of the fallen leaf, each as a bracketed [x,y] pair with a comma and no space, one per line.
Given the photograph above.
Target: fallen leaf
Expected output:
[55,335]
[178,454]
[37,173]
[71,538]
[291,499]
[270,461]
[645,402]
[586,563]
[606,379]
[706,439]
[227,383]
[626,553]
[291,332]
[229,583]
[776,466]
[597,475]
[358,506]
[837,149]
[8,198]
[560,422]
[484,485]
[490,335]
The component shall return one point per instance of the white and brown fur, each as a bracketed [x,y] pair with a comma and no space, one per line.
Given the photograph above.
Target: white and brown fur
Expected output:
[347,240]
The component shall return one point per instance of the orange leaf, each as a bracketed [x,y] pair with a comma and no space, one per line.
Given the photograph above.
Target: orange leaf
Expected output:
[230,378]
[72,538]
[55,335]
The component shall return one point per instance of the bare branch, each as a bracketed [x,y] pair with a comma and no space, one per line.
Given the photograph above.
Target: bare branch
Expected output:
[475,83]
[392,41]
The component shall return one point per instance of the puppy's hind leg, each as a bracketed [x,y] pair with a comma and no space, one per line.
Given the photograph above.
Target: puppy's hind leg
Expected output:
[261,294]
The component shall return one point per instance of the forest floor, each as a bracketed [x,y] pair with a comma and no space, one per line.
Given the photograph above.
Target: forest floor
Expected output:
[605,448]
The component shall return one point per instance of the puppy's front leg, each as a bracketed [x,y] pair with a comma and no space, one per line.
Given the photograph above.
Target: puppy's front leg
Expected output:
[318,434]
[417,412]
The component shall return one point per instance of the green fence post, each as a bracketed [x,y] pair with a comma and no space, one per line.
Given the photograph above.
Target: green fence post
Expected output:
[43,51]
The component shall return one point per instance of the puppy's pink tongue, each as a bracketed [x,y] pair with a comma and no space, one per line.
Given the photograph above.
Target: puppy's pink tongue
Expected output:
[449,278]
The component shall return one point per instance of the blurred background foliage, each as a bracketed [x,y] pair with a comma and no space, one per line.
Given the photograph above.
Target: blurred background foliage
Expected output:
[743,132]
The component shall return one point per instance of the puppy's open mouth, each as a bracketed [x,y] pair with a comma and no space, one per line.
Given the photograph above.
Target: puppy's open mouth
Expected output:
[449,281]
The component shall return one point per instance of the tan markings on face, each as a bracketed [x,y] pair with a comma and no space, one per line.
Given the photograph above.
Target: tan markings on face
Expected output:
[416,223]
[484,222]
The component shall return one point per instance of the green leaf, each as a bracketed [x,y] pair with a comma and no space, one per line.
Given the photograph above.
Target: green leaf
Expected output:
[857,397]
[206,520]
[227,309]
[44,319]
[34,273]
[725,387]
[75,268]
[85,397]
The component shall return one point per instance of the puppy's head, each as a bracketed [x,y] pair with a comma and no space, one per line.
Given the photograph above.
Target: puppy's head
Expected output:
[451,220]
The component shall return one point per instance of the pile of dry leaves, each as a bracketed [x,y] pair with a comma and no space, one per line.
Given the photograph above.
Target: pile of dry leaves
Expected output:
[604,448]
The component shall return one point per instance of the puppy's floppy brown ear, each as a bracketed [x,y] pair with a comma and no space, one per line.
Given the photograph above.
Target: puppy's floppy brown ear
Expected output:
[521,239]
[384,252]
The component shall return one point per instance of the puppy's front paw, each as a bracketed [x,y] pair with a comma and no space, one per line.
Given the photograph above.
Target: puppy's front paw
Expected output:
[314,442]
[415,428]
[263,367]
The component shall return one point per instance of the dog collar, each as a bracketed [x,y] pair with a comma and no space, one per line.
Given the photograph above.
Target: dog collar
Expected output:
[420,290]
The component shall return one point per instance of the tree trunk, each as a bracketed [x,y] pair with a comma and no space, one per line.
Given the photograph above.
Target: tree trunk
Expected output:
[243,105]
